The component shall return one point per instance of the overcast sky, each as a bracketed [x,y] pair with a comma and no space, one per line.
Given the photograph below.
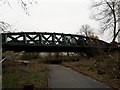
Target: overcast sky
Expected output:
[62,16]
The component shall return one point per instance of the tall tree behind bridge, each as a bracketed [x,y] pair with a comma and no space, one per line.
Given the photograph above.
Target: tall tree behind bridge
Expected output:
[86,30]
[106,11]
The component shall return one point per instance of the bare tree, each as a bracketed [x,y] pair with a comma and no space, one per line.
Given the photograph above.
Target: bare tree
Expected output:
[106,11]
[86,30]
[24,5]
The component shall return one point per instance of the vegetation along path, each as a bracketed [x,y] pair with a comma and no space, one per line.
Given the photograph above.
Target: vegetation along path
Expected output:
[64,77]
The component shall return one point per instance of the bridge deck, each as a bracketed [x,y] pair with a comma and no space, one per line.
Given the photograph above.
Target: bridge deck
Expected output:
[53,42]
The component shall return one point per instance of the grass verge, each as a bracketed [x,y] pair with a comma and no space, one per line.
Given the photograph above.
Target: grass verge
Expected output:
[17,74]
[86,67]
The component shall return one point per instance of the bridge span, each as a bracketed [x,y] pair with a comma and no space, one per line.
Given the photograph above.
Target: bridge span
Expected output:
[50,42]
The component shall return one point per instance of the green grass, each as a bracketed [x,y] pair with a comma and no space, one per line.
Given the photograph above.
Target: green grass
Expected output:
[16,74]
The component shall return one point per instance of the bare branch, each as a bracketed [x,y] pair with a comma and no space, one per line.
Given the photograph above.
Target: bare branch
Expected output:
[108,5]
[86,30]
[24,4]
[4,26]
[107,13]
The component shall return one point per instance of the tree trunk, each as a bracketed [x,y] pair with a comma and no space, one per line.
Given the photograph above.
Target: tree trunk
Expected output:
[113,43]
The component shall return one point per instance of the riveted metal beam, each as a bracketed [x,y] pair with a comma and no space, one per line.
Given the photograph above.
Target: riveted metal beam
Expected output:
[43,39]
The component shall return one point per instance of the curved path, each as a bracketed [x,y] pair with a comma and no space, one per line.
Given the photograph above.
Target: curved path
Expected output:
[63,77]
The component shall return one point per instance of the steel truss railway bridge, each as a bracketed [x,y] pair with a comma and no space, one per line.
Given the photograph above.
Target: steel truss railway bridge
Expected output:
[50,42]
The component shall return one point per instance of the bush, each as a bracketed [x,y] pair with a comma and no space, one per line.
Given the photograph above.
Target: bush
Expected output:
[108,64]
[29,56]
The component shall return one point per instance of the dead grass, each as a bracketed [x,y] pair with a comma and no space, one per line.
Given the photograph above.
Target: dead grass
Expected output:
[99,68]
[16,74]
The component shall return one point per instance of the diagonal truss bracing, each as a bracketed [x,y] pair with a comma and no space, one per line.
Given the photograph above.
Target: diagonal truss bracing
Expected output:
[50,39]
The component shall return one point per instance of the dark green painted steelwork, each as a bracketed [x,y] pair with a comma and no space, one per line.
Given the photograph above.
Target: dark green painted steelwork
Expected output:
[43,39]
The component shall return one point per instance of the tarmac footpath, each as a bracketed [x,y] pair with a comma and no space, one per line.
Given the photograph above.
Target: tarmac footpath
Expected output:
[64,77]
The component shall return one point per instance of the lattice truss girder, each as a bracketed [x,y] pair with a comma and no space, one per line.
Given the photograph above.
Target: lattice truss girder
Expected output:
[51,39]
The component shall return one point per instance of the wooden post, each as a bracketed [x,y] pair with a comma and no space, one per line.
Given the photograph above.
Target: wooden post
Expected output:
[28,87]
